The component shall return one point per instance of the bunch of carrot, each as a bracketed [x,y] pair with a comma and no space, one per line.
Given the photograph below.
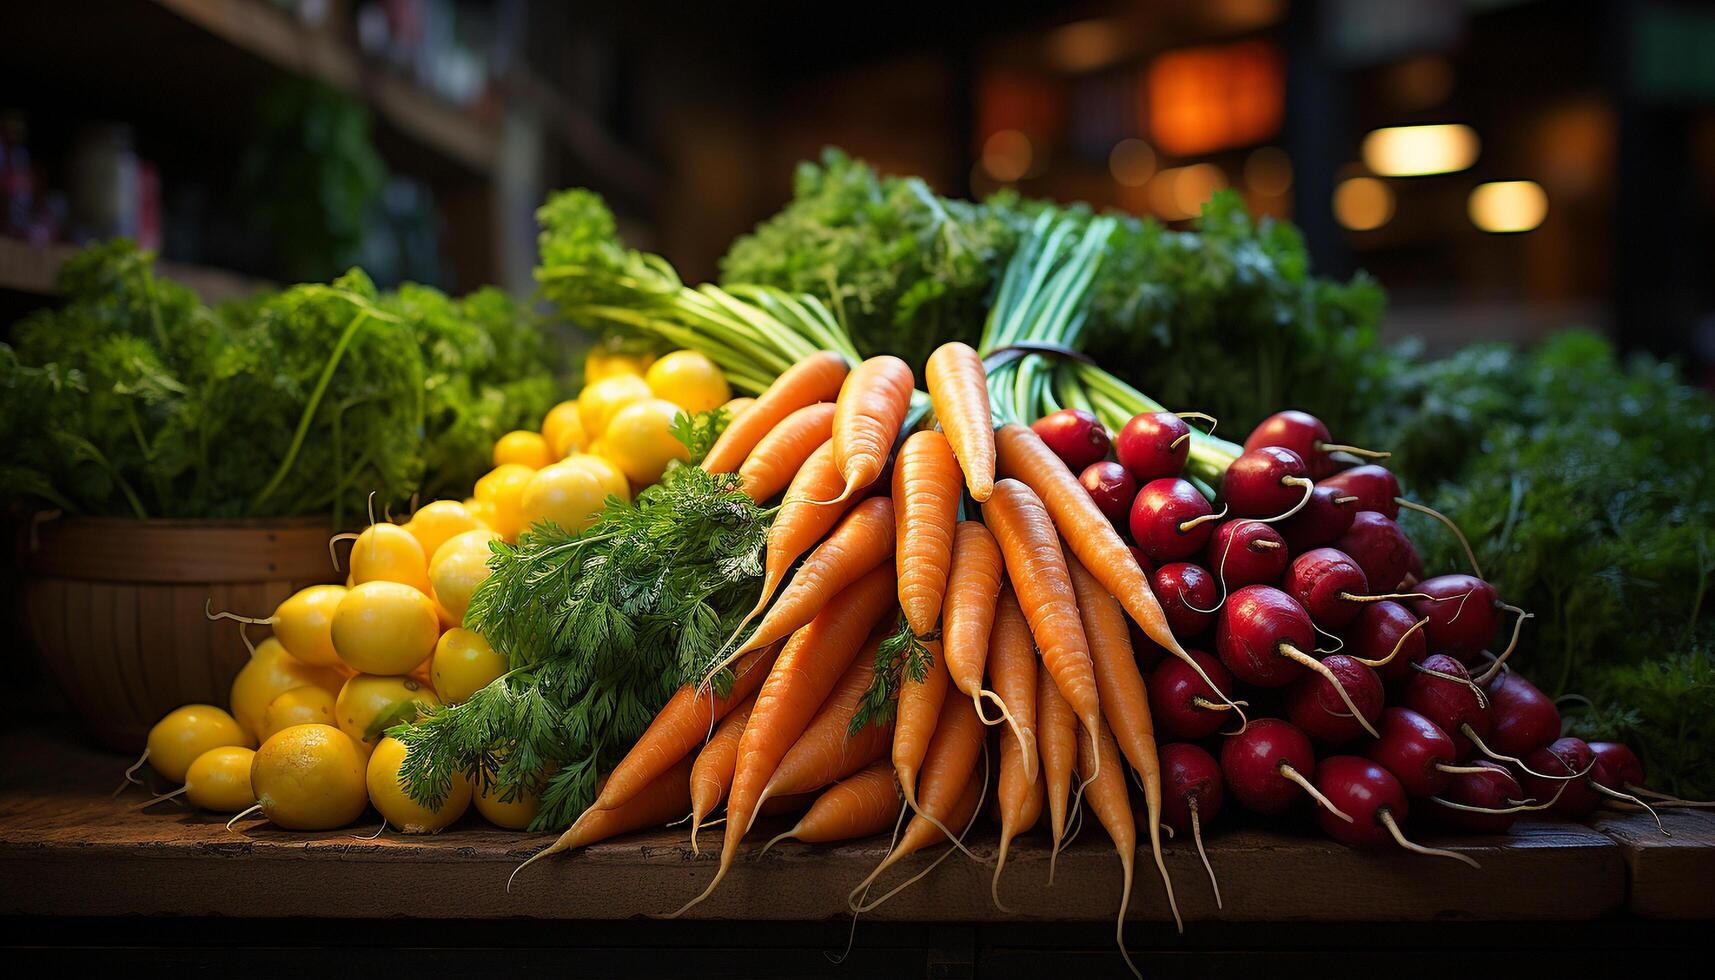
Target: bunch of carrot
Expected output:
[979,586]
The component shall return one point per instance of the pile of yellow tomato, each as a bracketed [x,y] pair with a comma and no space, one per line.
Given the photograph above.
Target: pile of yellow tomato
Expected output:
[346,662]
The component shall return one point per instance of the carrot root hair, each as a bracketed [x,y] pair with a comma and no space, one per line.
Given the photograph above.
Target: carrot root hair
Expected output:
[1026,752]
[958,845]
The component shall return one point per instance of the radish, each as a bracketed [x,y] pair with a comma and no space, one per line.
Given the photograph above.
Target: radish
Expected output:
[1626,772]
[1191,793]
[1267,483]
[1075,435]
[1379,547]
[1522,718]
[1330,586]
[1582,778]
[1461,610]
[1306,435]
[1417,752]
[1182,704]
[1261,635]
[1188,596]
[1387,637]
[1377,489]
[1442,691]
[1264,766]
[1376,802]
[1323,708]
[1153,445]
[1111,487]
[1326,515]
[1170,520]
[1485,801]
[1245,552]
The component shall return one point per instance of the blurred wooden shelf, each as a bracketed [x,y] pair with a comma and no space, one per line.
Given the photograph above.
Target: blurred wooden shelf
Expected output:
[28,268]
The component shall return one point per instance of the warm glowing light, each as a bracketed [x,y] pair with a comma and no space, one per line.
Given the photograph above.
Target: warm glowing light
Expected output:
[1363,203]
[1181,192]
[1196,100]
[1413,151]
[1086,45]
[1268,171]
[1007,155]
[1132,162]
[1508,205]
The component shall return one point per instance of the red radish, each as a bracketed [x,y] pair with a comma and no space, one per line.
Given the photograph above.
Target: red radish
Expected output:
[1461,614]
[1326,515]
[1306,435]
[1182,704]
[1484,802]
[1171,520]
[1153,445]
[1323,708]
[1583,774]
[1261,635]
[1379,547]
[1266,483]
[1522,719]
[1188,596]
[1111,487]
[1416,751]
[1190,794]
[1376,802]
[1328,584]
[1387,637]
[1375,487]
[1245,552]
[1075,435]
[1265,766]
[1626,772]
[1442,691]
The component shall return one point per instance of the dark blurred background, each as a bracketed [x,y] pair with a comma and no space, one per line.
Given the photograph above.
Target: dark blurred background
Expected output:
[1504,167]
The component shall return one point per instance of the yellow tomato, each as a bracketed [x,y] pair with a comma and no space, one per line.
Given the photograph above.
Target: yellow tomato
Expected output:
[219,780]
[688,379]
[388,794]
[524,448]
[367,701]
[501,488]
[640,440]
[435,522]
[512,814]
[569,496]
[385,628]
[464,663]
[482,511]
[563,427]
[612,480]
[303,622]
[601,364]
[736,407]
[270,672]
[599,402]
[307,705]
[459,567]
[185,733]
[389,553]
[309,777]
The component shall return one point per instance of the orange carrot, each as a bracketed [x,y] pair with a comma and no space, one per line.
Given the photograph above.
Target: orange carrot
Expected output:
[711,773]
[1057,737]
[826,752]
[921,833]
[1023,456]
[1012,674]
[914,718]
[862,804]
[1125,702]
[679,728]
[926,501]
[1037,568]
[958,388]
[782,452]
[816,378]
[803,675]
[973,585]
[952,755]
[872,406]
[664,799]
[1107,797]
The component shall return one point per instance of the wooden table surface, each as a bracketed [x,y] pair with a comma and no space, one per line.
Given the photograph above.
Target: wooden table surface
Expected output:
[68,848]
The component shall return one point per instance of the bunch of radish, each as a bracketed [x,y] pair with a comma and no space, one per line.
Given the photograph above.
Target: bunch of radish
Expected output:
[1299,595]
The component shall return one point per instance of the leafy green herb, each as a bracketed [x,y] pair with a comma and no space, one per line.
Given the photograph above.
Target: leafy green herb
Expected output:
[898,656]
[699,432]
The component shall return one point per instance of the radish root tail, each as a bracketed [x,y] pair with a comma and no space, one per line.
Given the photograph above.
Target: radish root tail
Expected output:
[1197,836]
[1518,627]
[131,773]
[1629,798]
[164,797]
[1295,776]
[1392,826]
[240,815]
[1470,555]
[1340,447]
[1397,647]
[1293,653]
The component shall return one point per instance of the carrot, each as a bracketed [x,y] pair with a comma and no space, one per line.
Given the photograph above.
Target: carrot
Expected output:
[664,798]
[803,675]
[952,755]
[921,833]
[782,452]
[1125,702]
[914,717]
[679,728]
[862,804]
[1037,568]
[711,773]
[1023,456]
[1057,737]
[826,752]
[958,389]
[1012,673]
[816,378]
[926,502]
[1107,797]
[872,406]
[799,523]
[973,585]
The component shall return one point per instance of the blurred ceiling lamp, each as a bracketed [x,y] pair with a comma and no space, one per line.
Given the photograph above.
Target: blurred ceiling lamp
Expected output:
[1268,171]
[1086,45]
[1215,97]
[1505,206]
[1363,203]
[1132,162]
[1181,192]
[1415,151]
[1007,155]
